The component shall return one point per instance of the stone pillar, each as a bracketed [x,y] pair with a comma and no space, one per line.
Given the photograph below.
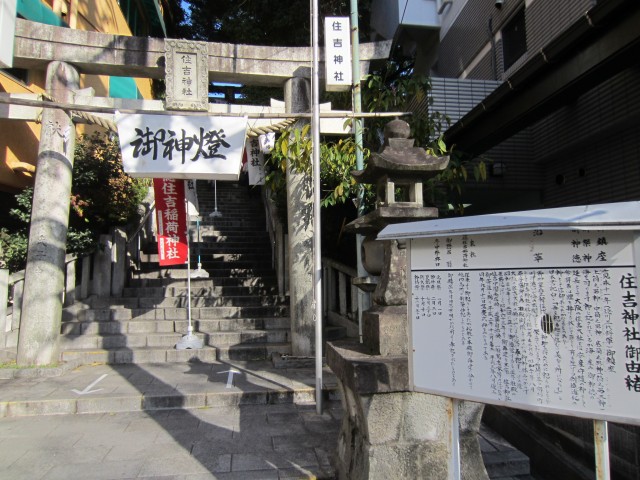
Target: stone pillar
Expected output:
[44,275]
[119,261]
[101,284]
[300,224]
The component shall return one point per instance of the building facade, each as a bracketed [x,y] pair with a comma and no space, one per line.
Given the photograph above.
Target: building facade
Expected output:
[548,93]
[561,125]
[19,140]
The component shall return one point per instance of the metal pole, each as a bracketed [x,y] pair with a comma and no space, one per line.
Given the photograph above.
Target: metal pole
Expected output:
[357,130]
[454,465]
[215,212]
[317,261]
[189,327]
[190,340]
[601,444]
[356,89]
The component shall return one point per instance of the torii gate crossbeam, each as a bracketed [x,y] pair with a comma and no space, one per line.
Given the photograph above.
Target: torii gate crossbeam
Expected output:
[36,45]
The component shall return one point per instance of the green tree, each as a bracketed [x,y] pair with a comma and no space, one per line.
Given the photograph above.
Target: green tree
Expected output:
[261,22]
[382,92]
[102,196]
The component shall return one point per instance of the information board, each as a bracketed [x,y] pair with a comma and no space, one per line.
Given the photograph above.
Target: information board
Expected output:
[540,320]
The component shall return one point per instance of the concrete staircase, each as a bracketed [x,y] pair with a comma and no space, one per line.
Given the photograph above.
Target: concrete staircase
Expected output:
[237,311]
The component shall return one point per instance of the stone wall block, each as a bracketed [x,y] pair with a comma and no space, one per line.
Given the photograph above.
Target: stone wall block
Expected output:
[392,286]
[384,330]
[426,461]
[425,417]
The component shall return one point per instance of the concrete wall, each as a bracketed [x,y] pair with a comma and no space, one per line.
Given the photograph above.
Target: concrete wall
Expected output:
[466,44]
[18,142]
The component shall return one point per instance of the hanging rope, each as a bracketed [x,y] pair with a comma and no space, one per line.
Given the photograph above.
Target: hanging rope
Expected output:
[85,112]
[92,119]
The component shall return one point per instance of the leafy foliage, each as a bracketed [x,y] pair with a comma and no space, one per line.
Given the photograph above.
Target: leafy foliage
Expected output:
[337,161]
[338,158]
[13,249]
[102,196]
[259,22]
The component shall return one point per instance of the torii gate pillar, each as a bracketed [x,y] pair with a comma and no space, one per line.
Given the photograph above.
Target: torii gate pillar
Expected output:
[44,274]
[297,95]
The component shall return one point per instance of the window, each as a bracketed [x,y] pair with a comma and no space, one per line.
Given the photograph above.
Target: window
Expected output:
[514,39]
[18,73]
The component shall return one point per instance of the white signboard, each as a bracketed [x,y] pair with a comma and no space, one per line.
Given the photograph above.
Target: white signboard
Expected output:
[542,320]
[337,53]
[165,146]
[255,160]
[7,32]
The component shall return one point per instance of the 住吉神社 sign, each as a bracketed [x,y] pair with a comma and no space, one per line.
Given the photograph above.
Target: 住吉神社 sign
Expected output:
[171,218]
[255,160]
[540,319]
[186,75]
[174,146]
[337,51]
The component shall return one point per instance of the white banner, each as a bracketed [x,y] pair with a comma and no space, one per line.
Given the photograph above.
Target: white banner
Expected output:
[191,194]
[7,31]
[267,142]
[337,53]
[255,162]
[174,146]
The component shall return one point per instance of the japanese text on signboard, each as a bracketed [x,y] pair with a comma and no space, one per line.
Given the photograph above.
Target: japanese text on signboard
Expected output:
[256,162]
[541,319]
[629,285]
[171,221]
[337,37]
[186,146]
[176,146]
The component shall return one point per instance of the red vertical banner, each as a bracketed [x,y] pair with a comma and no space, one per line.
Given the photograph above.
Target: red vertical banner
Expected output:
[171,220]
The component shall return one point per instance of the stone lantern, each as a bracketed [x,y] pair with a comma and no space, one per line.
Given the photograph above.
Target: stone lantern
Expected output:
[398,172]
[388,430]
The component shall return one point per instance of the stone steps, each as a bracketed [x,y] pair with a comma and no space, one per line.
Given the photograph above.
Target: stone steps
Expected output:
[183,301]
[197,380]
[77,313]
[199,291]
[209,327]
[220,264]
[215,271]
[178,279]
[249,338]
[236,311]
[143,355]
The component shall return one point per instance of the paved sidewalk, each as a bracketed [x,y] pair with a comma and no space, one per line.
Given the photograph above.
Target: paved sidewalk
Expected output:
[182,421]
[134,387]
[246,442]
[188,420]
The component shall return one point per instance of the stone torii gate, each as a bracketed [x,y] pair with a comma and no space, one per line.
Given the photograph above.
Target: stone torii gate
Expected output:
[66,53]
